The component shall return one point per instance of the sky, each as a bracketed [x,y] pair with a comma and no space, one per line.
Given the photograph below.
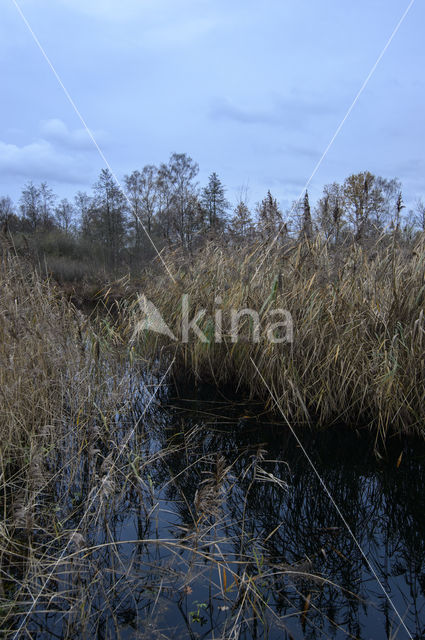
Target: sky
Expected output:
[254,91]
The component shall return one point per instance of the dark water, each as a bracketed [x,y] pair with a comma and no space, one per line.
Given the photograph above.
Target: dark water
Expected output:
[217,527]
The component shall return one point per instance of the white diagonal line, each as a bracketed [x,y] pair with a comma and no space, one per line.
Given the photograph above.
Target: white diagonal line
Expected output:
[341,124]
[328,493]
[90,504]
[89,132]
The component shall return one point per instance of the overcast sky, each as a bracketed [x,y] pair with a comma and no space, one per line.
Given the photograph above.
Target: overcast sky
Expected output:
[251,90]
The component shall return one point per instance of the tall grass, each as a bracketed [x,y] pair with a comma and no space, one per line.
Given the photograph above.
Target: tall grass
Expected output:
[49,363]
[358,346]
[76,458]
[58,386]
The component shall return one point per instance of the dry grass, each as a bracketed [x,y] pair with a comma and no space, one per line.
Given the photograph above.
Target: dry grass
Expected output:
[75,458]
[69,466]
[57,383]
[357,352]
[49,364]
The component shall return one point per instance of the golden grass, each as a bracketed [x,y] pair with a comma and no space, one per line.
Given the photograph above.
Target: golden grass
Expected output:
[48,362]
[358,346]
[55,387]
[70,470]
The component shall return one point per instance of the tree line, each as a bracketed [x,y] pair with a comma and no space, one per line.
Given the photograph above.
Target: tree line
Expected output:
[109,227]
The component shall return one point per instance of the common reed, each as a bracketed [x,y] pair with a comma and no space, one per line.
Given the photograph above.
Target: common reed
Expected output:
[74,459]
[68,484]
[58,391]
[50,360]
[358,317]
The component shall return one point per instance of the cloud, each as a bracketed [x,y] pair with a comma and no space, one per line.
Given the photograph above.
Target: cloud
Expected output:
[291,183]
[59,154]
[57,132]
[224,110]
[155,24]
[288,149]
[291,111]
[40,160]
[311,153]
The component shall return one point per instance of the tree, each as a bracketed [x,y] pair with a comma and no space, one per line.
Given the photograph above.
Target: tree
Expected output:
[83,205]
[110,217]
[397,216]
[330,211]
[64,214]
[47,201]
[7,210]
[270,219]
[214,203]
[241,225]
[368,201]
[419,214]
[36,205]
[142,192]
[9,221]
[307,223]
[164,206]
[391,190]
[178,213]
[182,171]
[30,206]
[134,188]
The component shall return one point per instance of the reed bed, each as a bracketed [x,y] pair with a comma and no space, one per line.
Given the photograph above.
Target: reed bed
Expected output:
[76,460]
[59,389]
[52,366]
[357,354]
[87,458]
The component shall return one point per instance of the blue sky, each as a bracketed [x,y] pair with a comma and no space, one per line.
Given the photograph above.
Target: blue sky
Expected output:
[251,90]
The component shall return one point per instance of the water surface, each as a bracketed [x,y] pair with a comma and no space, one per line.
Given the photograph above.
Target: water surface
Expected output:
[217,527]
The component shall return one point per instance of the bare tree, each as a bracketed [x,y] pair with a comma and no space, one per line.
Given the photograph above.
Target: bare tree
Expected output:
[164,191]
[142,192]
[396,222]
[389,214]
[7,210]
[30,206]
[83,204]
[178,213]
[362,199]
[64,214]
[369,201]
[330,211]
[419,214]
[47,201]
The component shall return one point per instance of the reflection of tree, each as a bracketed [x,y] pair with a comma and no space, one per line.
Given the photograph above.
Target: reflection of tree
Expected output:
[197,492]
[306,527]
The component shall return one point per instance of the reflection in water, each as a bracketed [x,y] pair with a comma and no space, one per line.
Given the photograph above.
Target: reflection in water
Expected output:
[214,525]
